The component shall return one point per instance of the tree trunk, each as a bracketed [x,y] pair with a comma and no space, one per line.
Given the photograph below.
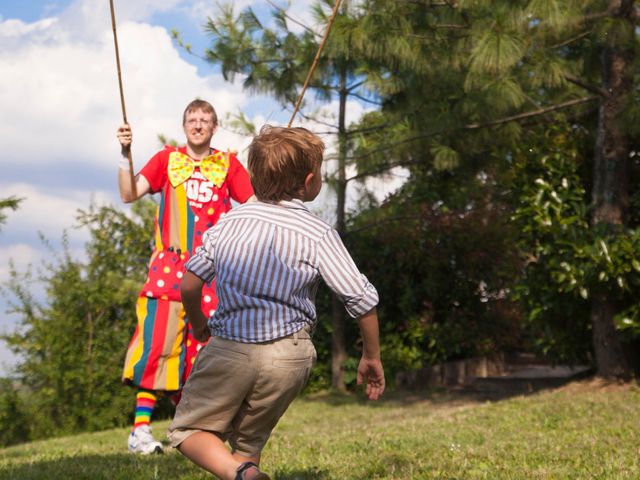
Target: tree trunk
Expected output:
[610,359]
[338,340]
[610,183]
[338,345]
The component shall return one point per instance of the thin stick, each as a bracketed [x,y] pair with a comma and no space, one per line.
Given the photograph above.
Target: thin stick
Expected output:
[124,110]
[315,61]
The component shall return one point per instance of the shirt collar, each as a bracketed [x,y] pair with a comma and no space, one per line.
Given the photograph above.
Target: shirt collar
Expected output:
[294,204]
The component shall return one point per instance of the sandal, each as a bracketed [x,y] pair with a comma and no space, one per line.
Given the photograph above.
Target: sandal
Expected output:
[250,471]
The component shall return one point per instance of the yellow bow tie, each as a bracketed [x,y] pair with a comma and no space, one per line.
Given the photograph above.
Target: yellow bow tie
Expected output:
[213,167]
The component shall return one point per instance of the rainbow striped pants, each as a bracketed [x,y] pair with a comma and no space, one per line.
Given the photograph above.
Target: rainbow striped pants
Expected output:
[162,349]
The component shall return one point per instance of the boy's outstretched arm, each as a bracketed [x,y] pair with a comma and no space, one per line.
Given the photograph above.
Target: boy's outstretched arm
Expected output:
[191,291]
[370,368]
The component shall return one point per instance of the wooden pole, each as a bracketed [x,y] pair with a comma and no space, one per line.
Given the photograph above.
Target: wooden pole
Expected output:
[315,61]
[124,110]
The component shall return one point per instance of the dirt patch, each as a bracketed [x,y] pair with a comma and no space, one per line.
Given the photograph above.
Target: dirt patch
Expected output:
[596,384]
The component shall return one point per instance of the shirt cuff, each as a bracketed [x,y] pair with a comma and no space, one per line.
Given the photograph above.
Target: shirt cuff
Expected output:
[201,267]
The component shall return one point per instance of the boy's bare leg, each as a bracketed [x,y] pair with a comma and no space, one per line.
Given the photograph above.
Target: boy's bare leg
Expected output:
[209,452]
[241,458]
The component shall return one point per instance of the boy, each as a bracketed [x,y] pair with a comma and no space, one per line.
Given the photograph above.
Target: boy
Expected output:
[267,258]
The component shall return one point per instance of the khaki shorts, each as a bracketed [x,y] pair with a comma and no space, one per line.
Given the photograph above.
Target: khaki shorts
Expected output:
[239,391]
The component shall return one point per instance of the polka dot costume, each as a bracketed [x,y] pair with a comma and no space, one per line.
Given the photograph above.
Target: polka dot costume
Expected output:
[162,349]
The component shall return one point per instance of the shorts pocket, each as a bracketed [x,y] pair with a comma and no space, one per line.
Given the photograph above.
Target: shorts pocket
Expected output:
[292,362]
[222,353]
[214,360]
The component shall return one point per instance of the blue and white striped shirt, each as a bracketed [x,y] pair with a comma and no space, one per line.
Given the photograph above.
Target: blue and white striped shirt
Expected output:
[268,260]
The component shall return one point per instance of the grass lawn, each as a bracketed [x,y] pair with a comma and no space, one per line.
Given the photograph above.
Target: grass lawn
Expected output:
[585,430]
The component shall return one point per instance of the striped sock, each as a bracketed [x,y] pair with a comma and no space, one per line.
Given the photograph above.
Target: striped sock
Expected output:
[145,401]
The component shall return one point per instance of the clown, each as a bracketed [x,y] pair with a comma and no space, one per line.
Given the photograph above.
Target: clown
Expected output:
[196,184]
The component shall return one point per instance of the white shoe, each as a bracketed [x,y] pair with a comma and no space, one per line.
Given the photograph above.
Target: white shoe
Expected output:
[141,441]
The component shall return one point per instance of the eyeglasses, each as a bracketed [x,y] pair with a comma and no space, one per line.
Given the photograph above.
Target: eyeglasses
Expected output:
[193,122]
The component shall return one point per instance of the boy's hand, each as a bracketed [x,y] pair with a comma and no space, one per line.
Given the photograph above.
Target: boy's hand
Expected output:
[201,330]
[191,293]
[371,370]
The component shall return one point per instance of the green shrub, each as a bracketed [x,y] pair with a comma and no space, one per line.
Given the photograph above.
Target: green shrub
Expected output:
[13,416]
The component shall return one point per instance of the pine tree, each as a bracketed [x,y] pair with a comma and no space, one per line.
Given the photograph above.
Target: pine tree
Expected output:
[477,73]
[11,203]
[275,61]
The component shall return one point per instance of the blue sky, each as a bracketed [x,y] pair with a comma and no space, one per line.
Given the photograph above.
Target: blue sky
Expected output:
[61,108]
[30,10]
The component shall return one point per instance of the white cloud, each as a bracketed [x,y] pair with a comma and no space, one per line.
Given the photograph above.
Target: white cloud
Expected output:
[74,106]
[17,28]
[46,212]
[84,18]
[21,255]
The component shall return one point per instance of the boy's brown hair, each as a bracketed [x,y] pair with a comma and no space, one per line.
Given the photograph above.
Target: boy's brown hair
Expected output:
[203,105]
[280,159]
